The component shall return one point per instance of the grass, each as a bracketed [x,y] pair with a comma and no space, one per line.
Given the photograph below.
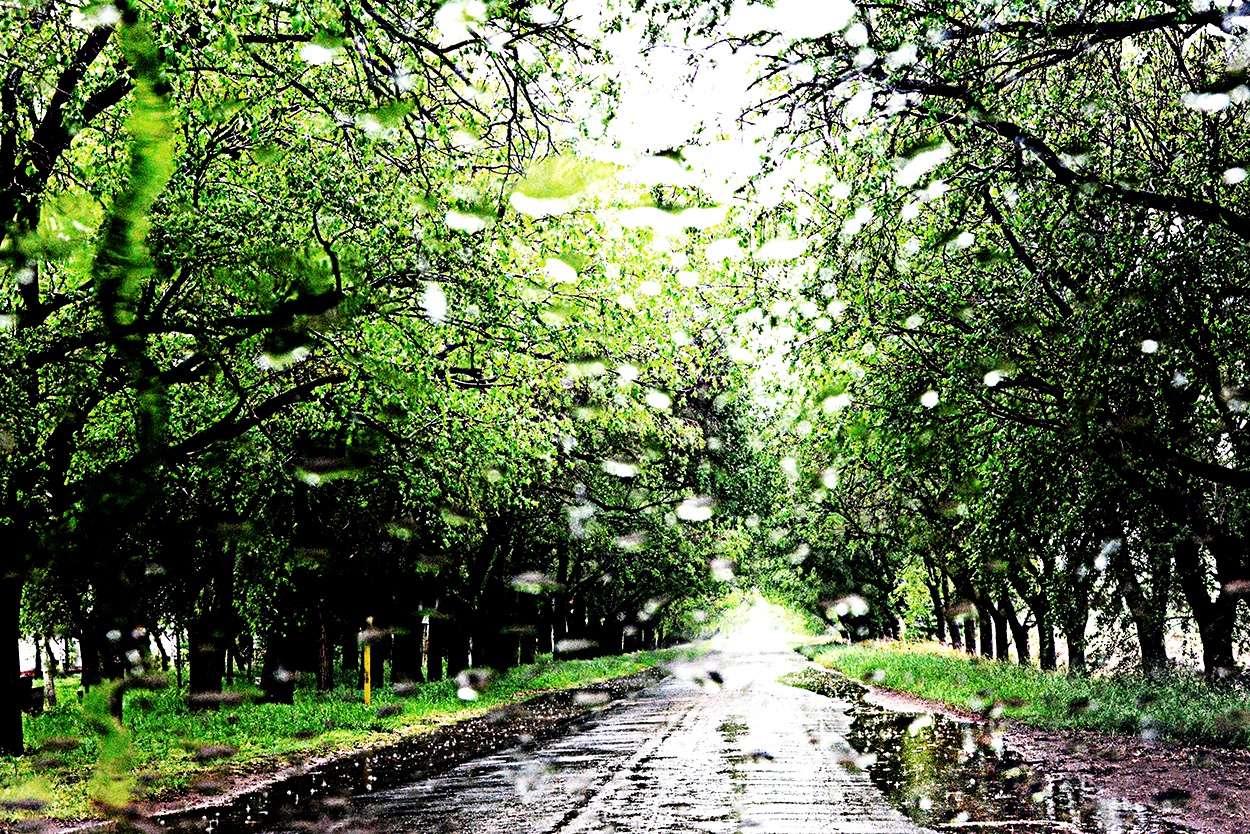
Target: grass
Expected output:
[1175,707]
[166,746]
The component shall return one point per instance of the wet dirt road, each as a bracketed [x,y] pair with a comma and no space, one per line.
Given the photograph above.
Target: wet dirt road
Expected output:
[685,755]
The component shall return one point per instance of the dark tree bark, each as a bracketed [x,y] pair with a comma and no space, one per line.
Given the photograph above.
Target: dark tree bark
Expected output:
[454,645]
[49,673]
[1000,630]
[206,655]
[177,656]
[89,659]
[434,651]
[160,649]
[986,626]
[1147,611]
[939,609]
[1216,618]
[970,635]
[406,654]
[1019,632]
[11,740]
[325,649]
[1076,652]
[277,673]
[1046,641]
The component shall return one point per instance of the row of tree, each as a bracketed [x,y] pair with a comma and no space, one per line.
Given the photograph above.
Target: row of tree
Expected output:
[1032,403]
[302,332]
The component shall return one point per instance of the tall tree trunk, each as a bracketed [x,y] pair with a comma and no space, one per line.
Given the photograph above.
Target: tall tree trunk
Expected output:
[406,654]
[434,652]
[1000,630]
[160,649]
[206,656]
[11,740]
[1216,618]
[325,649]
[89,653]
[49,674]
[939,609]
[1045,639]
[1075,639]
[455,647]
[1019,633]
[277,674]
[378,653]
[1147,622]
[957,640]
[986,624]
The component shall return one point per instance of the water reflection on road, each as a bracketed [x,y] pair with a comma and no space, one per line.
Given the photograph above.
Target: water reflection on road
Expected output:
[950,774]
[719,746]
[687,755]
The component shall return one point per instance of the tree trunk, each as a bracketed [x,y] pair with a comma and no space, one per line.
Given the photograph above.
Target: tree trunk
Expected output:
[970,635]
[1045,640]
[277,676]
[206,655]
[939,610]
[1019,633]
[529,647]
[325,649]
[1000,631]
[1216,618]
[49,673]
[1149,627]
[434,651]
[986,624]
[11,740]
[89,655]
[160,649]
[406,655]
[455,647]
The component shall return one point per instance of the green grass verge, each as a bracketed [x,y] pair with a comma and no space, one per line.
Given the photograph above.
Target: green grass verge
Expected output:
[165,746]
[1175,707]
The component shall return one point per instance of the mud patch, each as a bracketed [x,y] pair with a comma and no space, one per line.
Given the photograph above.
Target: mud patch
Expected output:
[963,775]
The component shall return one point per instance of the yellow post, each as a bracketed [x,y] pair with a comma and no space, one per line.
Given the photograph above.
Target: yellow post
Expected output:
[367,661]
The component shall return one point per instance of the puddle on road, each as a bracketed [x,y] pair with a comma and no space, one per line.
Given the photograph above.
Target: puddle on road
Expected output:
[319,798]
[947,774]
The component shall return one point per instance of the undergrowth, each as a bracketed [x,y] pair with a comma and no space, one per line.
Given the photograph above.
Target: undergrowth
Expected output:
[1175,707]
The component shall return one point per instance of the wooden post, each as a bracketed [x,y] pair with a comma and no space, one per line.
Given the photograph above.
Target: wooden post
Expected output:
[368,667]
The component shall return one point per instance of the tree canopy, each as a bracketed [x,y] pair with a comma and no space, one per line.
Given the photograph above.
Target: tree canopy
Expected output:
[544,326]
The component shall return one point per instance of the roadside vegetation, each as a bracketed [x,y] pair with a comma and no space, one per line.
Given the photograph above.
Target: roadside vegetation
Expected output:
[1174,707]
[171,748]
